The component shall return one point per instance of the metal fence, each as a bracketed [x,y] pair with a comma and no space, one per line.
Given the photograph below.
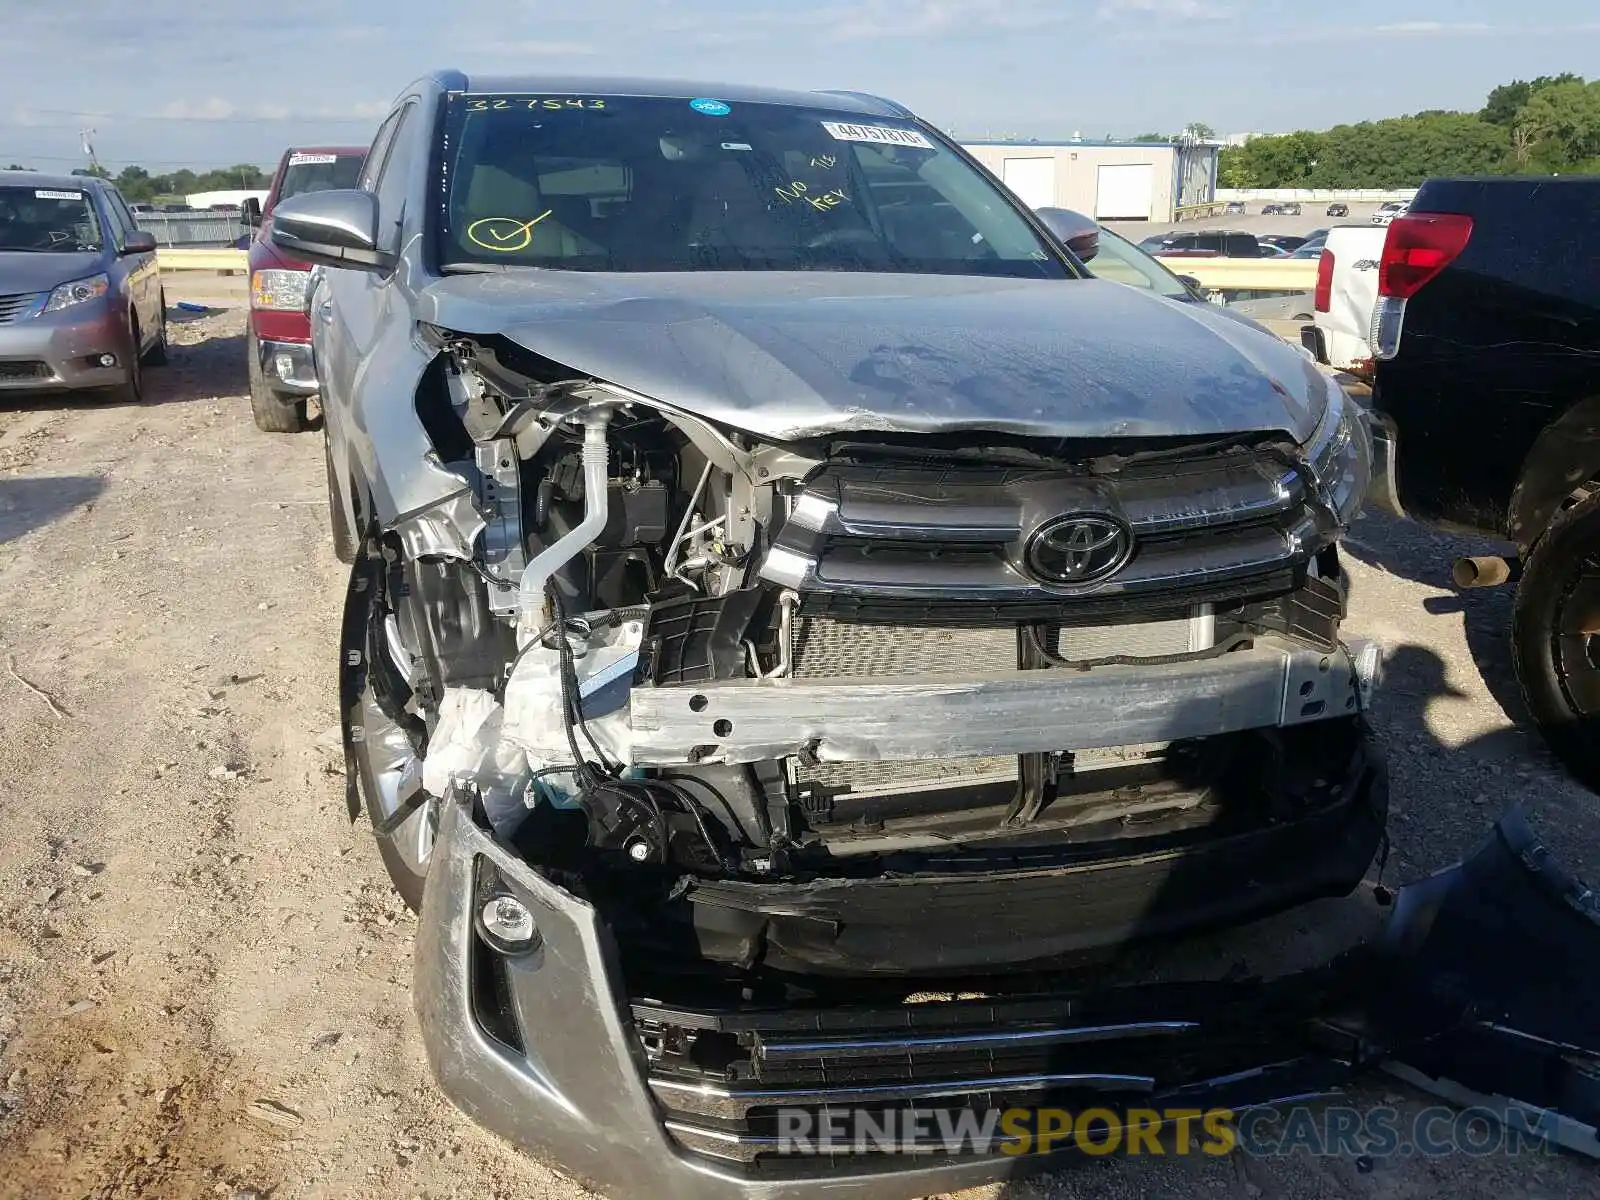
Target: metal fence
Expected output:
[193,228]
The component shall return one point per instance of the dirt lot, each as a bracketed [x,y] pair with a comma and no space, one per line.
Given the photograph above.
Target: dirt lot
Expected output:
[204,977]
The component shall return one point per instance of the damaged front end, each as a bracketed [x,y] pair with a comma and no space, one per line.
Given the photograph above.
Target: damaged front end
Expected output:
[665,714]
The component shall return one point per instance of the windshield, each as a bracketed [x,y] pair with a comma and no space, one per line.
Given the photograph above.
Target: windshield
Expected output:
[47,219]
[1122,262]
[309,171]
[623,183]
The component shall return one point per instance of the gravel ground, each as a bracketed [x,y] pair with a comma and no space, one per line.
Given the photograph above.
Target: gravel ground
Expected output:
[204,976]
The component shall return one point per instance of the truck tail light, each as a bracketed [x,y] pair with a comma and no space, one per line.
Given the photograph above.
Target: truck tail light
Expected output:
[1416,248]
[1322,300]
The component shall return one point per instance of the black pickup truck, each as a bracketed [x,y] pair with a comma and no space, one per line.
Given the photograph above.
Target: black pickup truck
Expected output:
[1486,405]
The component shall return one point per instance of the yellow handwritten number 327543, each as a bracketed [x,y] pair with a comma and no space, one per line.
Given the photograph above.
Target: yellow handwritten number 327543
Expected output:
[504,235]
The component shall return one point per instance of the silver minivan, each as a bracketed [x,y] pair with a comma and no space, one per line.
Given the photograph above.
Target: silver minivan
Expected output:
[81,305]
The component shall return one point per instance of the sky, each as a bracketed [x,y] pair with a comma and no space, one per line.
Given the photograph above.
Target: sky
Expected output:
[202,83]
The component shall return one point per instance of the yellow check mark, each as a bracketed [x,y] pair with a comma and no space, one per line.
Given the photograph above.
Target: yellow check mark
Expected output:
[504,235]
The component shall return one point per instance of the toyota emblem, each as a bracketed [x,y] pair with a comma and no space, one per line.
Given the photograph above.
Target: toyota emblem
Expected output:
[1079,548]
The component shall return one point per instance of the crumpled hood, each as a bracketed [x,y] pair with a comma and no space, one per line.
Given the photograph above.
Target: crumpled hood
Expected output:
[785,356]
[28,271]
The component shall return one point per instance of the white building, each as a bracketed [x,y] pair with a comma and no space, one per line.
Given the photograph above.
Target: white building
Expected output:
[204,200]
[1110,181]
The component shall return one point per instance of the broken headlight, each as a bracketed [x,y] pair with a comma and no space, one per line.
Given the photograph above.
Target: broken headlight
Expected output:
[1340,454]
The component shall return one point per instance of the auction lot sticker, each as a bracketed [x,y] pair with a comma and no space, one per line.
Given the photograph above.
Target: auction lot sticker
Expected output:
[883,135]
[46,194]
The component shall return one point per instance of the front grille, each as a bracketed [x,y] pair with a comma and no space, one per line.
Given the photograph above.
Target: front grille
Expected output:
[18,305]
[24,372]
[1237,523]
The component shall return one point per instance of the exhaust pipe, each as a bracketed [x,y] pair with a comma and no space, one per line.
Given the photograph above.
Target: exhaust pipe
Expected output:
[596,457]
[1485,571]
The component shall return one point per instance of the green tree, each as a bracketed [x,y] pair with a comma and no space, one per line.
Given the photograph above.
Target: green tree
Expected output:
[1507,100]
[1560,125]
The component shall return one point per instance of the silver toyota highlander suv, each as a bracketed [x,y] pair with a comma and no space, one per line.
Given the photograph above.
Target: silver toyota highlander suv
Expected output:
[798,616]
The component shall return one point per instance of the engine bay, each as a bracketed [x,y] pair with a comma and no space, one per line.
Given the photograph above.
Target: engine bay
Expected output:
[708,679]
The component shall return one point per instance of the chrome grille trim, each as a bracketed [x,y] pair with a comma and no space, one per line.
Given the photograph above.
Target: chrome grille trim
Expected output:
[18,305]
[905,532]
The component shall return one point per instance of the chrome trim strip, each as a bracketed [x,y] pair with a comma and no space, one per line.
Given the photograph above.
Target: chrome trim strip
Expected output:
[710,1100]
[1054,1036]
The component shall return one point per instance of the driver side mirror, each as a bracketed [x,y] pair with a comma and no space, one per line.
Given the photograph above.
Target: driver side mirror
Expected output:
[139,241]
[1077,232]
[337,228]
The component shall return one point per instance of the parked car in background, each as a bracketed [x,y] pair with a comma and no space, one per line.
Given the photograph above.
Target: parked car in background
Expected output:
[745,584]
[1235,208]
[1487,393]
[1108,255]
[81,305]
[1344,300]
[1389,212]
[1292,209]
[1227,243]
[1338,210]
[278,341]
[1283,241]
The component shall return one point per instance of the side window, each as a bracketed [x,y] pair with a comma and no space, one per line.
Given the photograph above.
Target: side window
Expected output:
[394,178]
[120,213]
[380,149]
[118,223]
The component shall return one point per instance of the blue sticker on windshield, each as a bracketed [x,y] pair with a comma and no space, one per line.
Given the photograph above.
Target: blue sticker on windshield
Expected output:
[711,108]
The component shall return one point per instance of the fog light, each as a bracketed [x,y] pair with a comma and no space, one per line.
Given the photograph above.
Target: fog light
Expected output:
[508,926]
[108,360]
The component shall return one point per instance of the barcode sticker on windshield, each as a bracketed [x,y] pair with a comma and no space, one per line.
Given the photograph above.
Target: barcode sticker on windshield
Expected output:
[882,134]
[44,194]
[303,160]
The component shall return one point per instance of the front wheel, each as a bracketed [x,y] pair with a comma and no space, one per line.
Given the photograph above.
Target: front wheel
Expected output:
[273,413]
[1556,638]
[385,743]
[156,356]
[131,390]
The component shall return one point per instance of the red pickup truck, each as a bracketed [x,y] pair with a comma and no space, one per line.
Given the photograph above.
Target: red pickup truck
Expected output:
[282,374]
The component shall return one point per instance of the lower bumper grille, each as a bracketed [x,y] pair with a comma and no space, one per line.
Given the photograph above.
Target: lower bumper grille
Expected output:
[955,1064]
[24,372]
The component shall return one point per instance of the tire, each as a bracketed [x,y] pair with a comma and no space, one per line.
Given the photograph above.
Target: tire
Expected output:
[131,390]
[273,413]
[385,755]
[156,356]
[1555,638]
[345,543]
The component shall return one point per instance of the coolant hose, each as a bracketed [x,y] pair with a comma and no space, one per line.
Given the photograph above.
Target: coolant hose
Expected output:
[596,460]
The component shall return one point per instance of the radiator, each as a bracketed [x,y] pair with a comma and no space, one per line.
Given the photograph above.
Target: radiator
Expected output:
[825,648]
